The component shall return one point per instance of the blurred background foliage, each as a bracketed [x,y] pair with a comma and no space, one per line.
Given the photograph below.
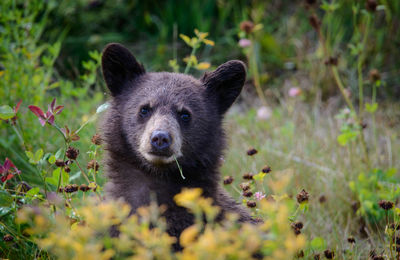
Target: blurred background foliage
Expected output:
[53,49]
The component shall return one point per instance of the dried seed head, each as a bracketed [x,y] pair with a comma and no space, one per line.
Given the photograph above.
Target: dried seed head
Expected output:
[317,257]
[67,169]
[72,153]
[252,151]
[374,75]
[297,231]
[371,5]
[247,193]
[314,22]
[394,226]
[8,238]
[329,254]
[93,165]
[266,169]
[60,189]
[386,205]
[378,257]
[96,139]
[332,61]
[23,187]
[84,187]
[248,176]
[302,196]
[322,199]
[244,186]
[228,180]
[251,204]
[71,188]
[351,240]
[298,225]
[247,26]
[59,163]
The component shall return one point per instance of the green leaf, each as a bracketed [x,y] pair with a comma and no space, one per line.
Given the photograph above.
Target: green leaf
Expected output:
[259,176]
[52,159]
[5,198]
[344,138]
[32,192]
[38,155]
[6,112]
[55,175]
[371,108]
[318,244]
[31,157]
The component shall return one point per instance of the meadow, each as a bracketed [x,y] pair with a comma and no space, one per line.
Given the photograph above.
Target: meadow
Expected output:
[313,140]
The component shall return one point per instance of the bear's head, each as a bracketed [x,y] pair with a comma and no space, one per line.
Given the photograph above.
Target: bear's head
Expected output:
[156,118]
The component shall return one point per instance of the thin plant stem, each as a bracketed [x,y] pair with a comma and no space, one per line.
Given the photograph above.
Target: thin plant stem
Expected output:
[256,74]
[83,173]
[189,64]
[360,62]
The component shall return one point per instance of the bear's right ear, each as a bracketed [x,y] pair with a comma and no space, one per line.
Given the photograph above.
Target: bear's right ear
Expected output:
[119,67]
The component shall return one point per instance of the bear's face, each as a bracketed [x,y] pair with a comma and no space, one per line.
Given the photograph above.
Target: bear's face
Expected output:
[169,116]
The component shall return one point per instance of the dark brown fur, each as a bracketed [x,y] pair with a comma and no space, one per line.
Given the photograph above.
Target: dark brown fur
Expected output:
[131,176]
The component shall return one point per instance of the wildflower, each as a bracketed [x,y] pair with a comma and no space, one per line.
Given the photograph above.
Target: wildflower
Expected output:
[264,113]
[70,135]
[8,238]
[248,176]
[23,187]
[329,254]
[59,163]
[251,151]
[84,187]
[96,139]
[72,153]
[228,180]
[49,116]
[93,165]
[259,195]
[302,196]
[294,92]
[266,169]
[247,193]
[251,204]
[244,43]
[371,5]
[8,170]
[351,240]
[315,22]
[386,205]
[247,26]
[15,109]
[374,75]
[244,186]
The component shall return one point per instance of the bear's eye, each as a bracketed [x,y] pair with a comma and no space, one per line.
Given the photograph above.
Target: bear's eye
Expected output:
[185,116]
[144,111]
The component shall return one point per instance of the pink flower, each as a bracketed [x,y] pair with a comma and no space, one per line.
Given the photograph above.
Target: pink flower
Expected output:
[8,170]
[244,43]
[264,113]
[294,92]
[49,116]
[259,195]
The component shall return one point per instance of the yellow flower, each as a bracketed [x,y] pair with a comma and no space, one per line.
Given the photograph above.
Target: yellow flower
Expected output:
[187,195]
[189,235]
[203,65]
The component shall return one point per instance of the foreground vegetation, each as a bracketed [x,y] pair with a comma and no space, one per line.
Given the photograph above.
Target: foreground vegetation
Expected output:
[314,146]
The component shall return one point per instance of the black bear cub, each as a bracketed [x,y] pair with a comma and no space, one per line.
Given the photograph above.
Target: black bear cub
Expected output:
[156,118]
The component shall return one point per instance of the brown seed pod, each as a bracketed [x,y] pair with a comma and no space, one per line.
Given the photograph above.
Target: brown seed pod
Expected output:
[266,169]
[8,238]
[371,5]
[386,205]
[93,165]
[244,186]
[322,199]
[96,139]
[247,193]
[67,169]
[351,240]
[248,176]
[84,187]
[72,153]
[314,22]
[251,204]
[329,254]
[302,196]
[71,188]
[59,163]
[374,75]
[228,180]
[317,257]
[247,26]
[252,151]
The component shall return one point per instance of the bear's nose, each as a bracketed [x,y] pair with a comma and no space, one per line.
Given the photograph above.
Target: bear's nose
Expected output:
[160,140]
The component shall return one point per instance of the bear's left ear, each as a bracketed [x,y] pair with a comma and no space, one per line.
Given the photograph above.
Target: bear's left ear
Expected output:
[225,83]
[119,67]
